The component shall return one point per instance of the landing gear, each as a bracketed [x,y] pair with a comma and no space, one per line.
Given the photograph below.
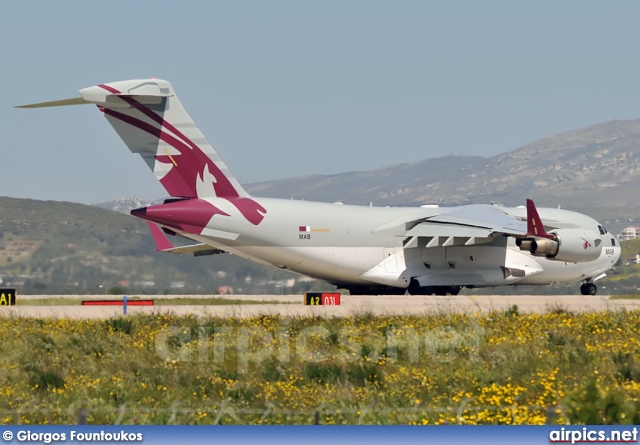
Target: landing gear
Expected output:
[416,289]
[454,290]
[357,290]
[375,290]
[588,289]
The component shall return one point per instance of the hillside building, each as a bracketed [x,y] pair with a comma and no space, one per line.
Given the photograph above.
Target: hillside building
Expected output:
[631,232]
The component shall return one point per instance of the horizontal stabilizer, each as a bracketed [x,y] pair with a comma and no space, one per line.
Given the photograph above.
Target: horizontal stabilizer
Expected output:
[56,103]
[148,99]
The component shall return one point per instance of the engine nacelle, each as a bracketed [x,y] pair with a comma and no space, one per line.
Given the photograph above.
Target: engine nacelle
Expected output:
[569,245]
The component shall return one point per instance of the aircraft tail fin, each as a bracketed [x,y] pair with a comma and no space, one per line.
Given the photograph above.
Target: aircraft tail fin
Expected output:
[151,120]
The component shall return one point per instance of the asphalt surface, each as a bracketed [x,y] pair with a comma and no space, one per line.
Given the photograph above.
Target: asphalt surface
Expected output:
[292,305]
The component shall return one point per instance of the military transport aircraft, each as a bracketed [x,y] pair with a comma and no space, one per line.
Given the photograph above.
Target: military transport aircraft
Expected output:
[367,250]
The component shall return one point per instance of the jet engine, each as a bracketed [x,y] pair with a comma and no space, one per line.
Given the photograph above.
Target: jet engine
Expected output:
[569,245]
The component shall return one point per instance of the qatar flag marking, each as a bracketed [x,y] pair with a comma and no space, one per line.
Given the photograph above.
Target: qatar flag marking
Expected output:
[307,229]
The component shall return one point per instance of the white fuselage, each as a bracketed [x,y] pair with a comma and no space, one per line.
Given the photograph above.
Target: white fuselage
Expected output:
[360,245]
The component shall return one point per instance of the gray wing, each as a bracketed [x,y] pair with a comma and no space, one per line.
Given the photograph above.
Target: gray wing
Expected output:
[463,226]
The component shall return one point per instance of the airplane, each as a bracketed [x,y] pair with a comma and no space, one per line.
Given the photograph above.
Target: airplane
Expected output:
[367,250]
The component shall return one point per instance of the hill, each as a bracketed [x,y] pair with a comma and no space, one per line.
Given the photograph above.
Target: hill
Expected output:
[595,170]
[63,247]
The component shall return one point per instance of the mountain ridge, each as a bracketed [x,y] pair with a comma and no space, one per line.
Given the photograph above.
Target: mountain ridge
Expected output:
[593,170]
[594,158]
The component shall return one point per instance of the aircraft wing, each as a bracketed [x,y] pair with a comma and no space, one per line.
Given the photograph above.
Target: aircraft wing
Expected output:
[482,216]
[464,226]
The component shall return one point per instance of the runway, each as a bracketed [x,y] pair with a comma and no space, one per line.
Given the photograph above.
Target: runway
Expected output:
[291,305]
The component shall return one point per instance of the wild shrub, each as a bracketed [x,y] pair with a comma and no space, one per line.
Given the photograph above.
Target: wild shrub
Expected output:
[593,405]
[120,324]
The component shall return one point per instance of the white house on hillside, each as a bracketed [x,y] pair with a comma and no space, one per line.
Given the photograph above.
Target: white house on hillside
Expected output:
[631,232]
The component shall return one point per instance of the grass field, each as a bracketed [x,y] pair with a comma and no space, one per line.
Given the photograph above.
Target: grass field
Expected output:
[177,301]
[497,368]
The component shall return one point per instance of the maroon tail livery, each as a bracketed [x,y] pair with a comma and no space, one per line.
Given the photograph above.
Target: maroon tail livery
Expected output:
[151,120]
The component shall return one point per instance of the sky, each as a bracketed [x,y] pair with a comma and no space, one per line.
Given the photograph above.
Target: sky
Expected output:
[293,88]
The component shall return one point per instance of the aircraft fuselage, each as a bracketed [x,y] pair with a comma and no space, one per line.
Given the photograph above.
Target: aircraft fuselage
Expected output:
[360,245]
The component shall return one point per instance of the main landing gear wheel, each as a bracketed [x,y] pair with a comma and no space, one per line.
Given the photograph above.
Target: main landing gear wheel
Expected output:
[588,289]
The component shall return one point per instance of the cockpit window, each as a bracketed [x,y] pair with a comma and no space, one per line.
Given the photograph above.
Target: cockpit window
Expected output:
[613,242]
[602,230]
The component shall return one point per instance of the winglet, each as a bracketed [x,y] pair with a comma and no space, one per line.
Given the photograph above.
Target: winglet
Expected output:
[534,223]
[161,240]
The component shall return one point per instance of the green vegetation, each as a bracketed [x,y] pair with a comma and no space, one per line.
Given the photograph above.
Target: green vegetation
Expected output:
[54,301]
[49,247]
[497,368]
[625,297]
[211,301]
